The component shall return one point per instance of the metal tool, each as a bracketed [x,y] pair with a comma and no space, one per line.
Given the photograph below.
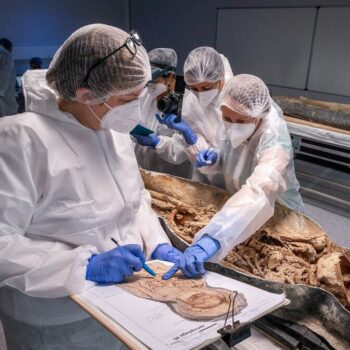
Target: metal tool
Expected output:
[208,152]
[236,332]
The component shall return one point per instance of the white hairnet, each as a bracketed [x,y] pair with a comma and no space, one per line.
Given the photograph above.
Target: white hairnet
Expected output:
[203,64]
[246,95]
[120,74]
[163,56]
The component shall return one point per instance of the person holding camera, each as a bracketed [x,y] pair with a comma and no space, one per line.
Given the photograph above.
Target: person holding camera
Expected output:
[163,65]
[205,73]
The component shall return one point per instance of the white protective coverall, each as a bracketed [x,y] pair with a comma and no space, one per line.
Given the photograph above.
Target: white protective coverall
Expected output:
[206,123]
[65,190]
[8,103]
[257,173]
[148,157]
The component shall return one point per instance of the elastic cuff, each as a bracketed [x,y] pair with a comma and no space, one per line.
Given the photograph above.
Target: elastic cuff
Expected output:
[156,142]
[209,244]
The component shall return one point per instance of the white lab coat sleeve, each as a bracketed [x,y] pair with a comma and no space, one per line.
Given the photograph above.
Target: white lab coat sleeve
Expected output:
[172,149]
[200,145]
[148,223]
[203,145]
[37,268]
[249,208]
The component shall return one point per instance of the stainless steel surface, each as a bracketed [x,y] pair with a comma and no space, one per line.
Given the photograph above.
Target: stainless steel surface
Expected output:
[323,171]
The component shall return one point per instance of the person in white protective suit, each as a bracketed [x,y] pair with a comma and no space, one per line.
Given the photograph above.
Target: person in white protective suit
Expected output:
[163,65]
[70,183]
[205,73]
[256,167]
[8,103]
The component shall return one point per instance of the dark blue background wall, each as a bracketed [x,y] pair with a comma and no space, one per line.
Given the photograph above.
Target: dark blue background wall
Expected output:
[299,47]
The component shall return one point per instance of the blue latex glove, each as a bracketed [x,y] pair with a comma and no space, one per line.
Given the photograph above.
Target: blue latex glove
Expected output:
[116,264]
[166,252]
[150,140]
[206,158]
[169,120]
[194,257]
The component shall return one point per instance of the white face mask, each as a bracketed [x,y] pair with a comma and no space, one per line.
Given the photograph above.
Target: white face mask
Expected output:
[238,133]
[156,89]
[122,118]
[206,97]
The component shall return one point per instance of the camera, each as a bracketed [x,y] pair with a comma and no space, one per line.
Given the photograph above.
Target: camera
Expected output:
[171,104]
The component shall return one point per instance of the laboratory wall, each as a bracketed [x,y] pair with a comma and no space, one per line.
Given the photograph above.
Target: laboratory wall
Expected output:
[299,47]
[38,28]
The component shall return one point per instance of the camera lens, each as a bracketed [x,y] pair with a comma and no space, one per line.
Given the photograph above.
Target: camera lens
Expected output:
[164,104]
[169,104]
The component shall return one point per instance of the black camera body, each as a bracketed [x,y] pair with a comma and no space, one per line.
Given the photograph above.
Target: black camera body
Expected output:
[171,104]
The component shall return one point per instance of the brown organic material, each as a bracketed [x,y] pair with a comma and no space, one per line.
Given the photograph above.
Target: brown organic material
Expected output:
[289,248]
[328,113]
[191,298]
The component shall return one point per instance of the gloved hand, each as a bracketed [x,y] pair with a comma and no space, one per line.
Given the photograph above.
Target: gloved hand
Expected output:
[205,158]
[182,126]
[116,264]
[150,140]
[194,257]
[166,252]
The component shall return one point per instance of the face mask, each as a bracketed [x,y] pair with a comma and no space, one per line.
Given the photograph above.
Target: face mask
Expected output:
[206,97]
[156,89]
[122,118]
[238,133]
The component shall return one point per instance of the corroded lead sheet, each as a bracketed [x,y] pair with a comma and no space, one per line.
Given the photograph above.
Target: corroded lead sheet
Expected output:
[289,248]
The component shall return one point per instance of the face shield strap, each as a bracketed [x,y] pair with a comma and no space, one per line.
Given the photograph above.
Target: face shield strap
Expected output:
[160,70]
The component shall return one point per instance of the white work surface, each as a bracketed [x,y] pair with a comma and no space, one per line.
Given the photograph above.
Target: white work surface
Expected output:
[154,324]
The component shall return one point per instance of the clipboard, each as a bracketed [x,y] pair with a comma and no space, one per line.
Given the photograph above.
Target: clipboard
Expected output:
[124,315]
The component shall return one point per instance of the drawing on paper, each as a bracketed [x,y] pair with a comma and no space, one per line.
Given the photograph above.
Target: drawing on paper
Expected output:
[190,298]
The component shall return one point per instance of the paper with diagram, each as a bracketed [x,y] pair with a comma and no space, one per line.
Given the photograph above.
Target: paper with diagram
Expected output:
[159,325]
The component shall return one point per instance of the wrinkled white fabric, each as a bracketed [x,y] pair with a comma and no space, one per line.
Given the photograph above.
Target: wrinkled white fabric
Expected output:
[8,103]
[65,190]
[168,157]
[208,128]
[256,173]
[206,123]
